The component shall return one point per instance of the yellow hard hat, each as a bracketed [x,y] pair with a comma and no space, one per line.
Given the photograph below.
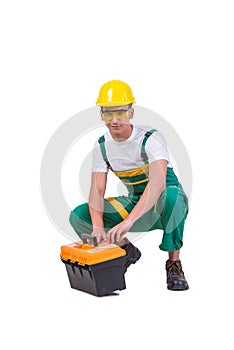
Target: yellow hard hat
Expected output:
[115,93]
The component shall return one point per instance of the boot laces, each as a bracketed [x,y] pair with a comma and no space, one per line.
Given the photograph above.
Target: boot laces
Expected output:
[174,268]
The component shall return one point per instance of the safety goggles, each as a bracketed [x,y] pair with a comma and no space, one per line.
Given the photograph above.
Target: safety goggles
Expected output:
[119,113]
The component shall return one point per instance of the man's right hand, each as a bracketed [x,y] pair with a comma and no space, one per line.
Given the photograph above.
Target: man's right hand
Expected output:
[100,233]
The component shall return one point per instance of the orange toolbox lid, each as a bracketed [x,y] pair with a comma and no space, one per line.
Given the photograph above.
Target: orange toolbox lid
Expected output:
[90,254]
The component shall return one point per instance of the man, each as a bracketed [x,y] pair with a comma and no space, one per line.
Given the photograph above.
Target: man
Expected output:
[139,157]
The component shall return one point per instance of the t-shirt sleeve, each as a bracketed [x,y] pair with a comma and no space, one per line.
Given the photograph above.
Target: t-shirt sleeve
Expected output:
[98,164]
[156,148]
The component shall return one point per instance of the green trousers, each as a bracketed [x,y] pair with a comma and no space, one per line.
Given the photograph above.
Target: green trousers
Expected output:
[168,214]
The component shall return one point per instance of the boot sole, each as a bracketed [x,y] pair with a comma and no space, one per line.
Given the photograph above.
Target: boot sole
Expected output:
[177,288]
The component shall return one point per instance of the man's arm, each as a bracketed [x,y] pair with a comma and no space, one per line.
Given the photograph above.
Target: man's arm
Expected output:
[96,204]
[156,185]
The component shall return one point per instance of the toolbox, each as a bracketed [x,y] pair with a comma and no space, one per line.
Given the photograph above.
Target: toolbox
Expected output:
[92,268]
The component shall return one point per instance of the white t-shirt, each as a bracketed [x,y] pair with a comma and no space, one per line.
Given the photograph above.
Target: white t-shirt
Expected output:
[126,155]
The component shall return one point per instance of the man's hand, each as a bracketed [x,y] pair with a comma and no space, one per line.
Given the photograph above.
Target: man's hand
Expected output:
[100,234]
[119,230]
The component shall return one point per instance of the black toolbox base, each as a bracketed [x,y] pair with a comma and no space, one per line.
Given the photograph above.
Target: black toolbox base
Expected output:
[99,279]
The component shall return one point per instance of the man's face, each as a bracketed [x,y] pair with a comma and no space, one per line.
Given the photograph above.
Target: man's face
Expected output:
[117,118]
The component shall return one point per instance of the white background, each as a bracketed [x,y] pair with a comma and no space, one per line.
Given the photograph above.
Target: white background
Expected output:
[178,57]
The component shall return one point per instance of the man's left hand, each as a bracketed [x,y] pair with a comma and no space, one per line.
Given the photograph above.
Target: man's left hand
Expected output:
[118,231]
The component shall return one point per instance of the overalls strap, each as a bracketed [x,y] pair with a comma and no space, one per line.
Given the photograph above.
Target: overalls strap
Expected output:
[101,141]
[143,152]
[144,156]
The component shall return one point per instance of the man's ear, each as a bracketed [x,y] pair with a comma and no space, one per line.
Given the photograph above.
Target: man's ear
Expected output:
[131,113]
[101,115]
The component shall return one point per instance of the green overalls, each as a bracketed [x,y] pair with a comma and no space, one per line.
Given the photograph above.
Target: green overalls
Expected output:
[168,214]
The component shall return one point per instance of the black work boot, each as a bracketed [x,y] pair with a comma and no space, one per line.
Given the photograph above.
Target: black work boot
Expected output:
[132,253]
[175,276]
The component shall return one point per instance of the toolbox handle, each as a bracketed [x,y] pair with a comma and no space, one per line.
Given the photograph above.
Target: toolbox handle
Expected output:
[85,237]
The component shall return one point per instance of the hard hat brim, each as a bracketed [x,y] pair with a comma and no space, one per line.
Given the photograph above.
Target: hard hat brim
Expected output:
[113,104]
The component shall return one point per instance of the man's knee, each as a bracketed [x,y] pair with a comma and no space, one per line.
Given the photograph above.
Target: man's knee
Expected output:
[79,214]
[73,219]
[172,196]
[167,199]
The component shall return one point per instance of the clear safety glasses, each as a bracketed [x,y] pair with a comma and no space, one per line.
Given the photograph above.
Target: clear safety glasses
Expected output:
[119,113]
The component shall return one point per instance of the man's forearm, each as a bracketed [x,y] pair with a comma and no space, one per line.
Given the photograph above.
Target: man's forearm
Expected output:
[146,202]
[96,207]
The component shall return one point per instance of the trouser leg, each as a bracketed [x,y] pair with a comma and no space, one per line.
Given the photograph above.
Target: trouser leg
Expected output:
[173,208]
[169,215]
[81,221]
